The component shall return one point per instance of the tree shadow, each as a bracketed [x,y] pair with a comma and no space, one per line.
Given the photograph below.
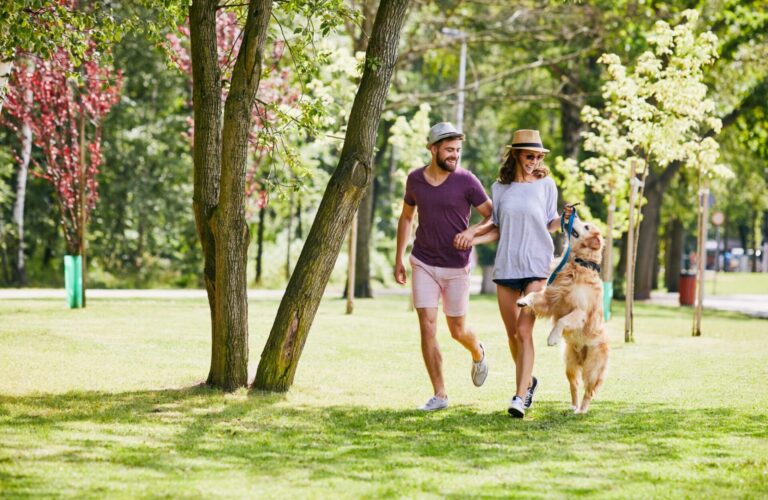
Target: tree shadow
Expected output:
[264,437]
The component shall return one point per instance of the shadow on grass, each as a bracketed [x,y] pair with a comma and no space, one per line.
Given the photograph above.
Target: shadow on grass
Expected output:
[178,432]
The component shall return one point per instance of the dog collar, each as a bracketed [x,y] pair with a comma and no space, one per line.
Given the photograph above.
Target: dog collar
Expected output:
[588,264]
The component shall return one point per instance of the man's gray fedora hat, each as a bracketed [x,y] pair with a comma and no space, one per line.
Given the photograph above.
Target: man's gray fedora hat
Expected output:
[442,130]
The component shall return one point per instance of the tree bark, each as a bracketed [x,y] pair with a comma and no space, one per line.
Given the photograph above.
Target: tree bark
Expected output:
[260,243]
[655,186]
[365,218]
[230,229]
[220,154]
[673,255]
[206,103]
[20,269]
[342,197]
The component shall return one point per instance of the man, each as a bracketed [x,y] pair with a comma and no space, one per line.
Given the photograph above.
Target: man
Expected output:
[444,194]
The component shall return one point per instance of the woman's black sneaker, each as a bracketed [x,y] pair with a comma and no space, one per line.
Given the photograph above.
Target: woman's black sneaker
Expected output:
[531,391]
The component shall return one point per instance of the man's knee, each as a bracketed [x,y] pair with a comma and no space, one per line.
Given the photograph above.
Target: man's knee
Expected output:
[456,326]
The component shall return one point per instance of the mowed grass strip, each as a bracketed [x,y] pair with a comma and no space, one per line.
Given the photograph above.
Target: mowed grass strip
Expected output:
[106,401]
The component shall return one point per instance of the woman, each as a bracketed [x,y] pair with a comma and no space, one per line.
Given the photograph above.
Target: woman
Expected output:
[524,213]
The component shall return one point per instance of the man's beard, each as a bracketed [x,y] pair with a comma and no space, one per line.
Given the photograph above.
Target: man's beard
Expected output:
[443,164]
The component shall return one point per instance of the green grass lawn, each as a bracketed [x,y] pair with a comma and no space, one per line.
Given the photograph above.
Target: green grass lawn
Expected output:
[106,402]
[736,283]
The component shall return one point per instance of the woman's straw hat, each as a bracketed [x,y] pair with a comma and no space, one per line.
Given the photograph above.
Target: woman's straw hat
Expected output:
[527,139]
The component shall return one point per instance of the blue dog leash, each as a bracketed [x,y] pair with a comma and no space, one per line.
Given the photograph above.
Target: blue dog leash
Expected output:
[567,250]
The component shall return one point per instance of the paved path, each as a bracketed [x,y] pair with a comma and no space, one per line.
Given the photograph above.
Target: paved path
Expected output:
[752,305]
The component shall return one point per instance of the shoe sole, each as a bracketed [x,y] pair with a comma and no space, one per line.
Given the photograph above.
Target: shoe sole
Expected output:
[515,413]
[432,409]
[482,381]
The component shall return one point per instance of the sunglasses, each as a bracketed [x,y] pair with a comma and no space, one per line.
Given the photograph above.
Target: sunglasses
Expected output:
[531,157]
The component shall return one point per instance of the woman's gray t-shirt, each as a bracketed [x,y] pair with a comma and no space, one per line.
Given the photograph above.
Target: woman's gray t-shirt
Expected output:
[522,211]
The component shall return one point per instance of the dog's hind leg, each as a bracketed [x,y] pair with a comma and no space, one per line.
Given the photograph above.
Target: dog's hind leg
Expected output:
[573,373]
[595,366]
[574,320]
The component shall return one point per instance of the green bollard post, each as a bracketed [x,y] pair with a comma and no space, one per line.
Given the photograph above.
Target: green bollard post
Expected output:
[607,298]
[73,280]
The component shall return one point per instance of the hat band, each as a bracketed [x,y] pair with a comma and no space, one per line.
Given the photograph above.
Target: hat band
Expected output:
[527,145]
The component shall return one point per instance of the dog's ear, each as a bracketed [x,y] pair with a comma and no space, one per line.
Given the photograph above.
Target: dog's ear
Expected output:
[595,243]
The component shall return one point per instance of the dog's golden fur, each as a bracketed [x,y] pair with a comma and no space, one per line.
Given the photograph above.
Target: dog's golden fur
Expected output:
[574,301]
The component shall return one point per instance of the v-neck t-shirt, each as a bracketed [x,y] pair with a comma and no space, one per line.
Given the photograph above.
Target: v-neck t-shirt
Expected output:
[444,212]
[522,211]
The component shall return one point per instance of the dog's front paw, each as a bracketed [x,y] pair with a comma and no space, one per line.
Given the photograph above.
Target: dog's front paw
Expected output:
[525,301]
[554,338]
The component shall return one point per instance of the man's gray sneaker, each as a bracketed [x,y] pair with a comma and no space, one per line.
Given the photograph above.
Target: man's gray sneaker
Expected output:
[529,394]
[479,369]
[516,407]
[435,403]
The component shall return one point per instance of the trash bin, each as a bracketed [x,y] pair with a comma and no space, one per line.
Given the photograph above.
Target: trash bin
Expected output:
[687,289]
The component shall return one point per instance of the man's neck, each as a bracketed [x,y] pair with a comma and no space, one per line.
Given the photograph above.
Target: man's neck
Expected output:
[436,172]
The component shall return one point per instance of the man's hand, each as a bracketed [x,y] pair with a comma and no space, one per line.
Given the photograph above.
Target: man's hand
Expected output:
[400,275]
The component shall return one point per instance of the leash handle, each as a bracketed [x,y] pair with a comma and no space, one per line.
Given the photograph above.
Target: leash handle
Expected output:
[567,231]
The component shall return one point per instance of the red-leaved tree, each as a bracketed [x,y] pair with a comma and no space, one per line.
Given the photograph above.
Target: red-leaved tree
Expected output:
[64,107]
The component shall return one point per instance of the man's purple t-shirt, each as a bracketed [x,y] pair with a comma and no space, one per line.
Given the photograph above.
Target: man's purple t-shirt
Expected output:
[444,212]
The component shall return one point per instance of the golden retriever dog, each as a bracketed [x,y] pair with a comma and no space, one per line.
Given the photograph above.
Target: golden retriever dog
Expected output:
[574,301]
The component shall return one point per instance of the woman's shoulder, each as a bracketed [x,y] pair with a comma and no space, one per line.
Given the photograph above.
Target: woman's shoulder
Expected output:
[547,182]
[498,186]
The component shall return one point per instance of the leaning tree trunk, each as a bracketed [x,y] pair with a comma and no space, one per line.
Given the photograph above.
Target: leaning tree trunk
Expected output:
[342,197]
[206,103]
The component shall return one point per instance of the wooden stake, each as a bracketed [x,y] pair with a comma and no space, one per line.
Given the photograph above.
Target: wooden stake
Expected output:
[630,275]
[701,257]
[351,268]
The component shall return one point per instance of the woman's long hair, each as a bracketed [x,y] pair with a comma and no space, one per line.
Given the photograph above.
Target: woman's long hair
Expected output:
[511,163]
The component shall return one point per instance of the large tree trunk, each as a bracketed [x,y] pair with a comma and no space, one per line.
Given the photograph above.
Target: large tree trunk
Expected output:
[673,252]
[230,229]
[220,153]
[647,244]
[206,99]
[656,185]
[342,197]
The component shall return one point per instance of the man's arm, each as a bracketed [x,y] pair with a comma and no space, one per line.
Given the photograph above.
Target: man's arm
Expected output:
[463,240]
[404,225]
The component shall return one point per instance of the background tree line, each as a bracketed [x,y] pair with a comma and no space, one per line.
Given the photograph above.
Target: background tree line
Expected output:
[530,64]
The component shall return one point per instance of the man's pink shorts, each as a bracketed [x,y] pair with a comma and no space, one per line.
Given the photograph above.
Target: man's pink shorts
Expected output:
[430,283]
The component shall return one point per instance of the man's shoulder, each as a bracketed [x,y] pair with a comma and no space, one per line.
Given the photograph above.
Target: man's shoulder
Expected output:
[416,173]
